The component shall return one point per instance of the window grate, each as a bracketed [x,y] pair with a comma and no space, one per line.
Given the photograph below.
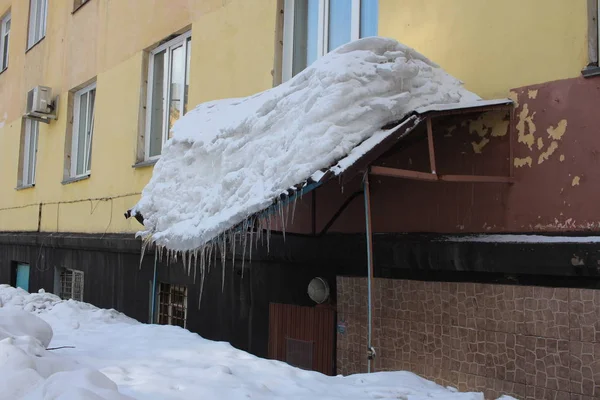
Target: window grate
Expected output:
[299,353]
[172,304]
[71,284]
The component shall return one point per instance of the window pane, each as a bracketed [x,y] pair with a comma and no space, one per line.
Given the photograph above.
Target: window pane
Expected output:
[31,150]
[188,50]
[157,107]
[306,19]
[369,13]
[81,134]
[39,20]
[90,131]
[340,17]
[177,85]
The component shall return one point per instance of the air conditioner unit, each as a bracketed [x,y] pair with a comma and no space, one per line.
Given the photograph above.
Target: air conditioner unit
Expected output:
[39,100]
[40,104]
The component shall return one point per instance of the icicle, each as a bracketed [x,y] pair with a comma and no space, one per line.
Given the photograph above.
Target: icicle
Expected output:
[184,260]
[294,207]
[223,259]
[195,264]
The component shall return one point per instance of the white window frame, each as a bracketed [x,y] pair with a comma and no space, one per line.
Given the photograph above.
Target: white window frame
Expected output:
[37,22]
[32,130]
[180,40]
[75,275]
[4,41]
[75,134]
[322,32]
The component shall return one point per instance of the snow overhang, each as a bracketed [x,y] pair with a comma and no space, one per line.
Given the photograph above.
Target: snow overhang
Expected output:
[233,163]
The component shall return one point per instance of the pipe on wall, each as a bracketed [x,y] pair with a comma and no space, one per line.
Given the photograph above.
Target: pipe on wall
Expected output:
[369,233]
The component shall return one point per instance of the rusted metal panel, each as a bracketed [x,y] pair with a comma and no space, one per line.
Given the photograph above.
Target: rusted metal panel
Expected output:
[309,325]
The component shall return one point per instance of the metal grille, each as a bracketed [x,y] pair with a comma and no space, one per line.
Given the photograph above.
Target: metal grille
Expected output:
[299,353]
[172,304]
[71,284]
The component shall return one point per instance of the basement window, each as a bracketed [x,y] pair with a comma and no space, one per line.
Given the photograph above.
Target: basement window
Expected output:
[71,284]
[593,69]
[172,304]
[168,82]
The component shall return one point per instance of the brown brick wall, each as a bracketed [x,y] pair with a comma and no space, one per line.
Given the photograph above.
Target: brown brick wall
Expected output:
[528,342]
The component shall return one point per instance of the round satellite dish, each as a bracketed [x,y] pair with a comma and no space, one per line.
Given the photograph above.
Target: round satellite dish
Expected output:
[318,290]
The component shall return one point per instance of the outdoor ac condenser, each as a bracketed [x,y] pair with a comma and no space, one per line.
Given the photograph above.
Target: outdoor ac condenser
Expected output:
[39,100]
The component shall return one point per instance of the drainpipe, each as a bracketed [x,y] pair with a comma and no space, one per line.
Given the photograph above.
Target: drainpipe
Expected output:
[154,277]
[369,233]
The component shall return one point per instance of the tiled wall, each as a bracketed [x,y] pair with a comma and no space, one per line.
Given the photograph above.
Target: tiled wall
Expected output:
[528,342]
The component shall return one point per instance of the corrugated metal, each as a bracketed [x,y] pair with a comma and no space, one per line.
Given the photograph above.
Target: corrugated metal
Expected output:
[308,324]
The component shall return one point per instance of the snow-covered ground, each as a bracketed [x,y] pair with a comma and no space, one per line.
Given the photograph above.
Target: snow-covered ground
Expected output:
[117,358]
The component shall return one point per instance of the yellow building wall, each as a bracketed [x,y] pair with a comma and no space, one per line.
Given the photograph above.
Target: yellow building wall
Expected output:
[491,45]
[232,55]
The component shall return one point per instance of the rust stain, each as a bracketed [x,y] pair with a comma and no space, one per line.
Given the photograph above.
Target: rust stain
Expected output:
[576,180]
[521,162]
[558,132]
[478,147]
[526,121]
[540,143]
[545,155]
[532,94]
[562,158]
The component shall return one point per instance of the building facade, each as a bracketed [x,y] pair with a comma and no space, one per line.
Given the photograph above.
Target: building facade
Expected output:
[121,72]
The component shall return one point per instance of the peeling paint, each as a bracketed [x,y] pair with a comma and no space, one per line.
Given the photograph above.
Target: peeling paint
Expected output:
[521,162]
[575,181]
[540,143]
[477,147]
[514,96]
[558,132]
[494,124]
[532,94]
[526,120]
[562,158]
[545,155]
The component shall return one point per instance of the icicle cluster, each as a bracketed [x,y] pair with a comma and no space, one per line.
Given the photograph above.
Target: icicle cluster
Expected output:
[251,232]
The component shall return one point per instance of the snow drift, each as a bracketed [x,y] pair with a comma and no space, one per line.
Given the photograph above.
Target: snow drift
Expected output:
[116,358]
[229,159]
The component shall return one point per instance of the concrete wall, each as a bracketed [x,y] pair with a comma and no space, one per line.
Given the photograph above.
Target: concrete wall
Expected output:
[529,342]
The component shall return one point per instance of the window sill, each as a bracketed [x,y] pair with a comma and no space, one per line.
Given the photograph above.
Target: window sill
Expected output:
[146,163]
[25,187]
[79,6]
[75,179]
[2,70]
[590,70]
[35,44]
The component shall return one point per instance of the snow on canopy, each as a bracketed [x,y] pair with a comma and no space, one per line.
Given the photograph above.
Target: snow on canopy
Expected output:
[231,159]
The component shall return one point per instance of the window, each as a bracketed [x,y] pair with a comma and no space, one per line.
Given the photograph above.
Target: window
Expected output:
[83,130]
[37,21]
[78,3]
[314,27]
[168,81]
[29,153]
[4,41]
[71,284]
[172,304]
